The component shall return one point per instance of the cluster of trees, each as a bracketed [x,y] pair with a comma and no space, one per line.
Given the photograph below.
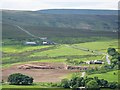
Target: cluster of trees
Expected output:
[115,60]
[115,63]
[19,79]
[90,83]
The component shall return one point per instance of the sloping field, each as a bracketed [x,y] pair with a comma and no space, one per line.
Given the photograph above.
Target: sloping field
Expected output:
[62,51]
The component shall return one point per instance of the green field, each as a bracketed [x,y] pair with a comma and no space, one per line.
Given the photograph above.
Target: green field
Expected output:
[100,46]
[29,87]
[61,51]
[20,48]
[109,76]
[13,55]
[55,53]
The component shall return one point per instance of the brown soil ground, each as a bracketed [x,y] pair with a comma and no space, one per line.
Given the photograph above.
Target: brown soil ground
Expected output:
[39,75]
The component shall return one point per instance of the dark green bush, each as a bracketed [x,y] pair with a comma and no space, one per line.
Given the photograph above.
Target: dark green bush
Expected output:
[19,79]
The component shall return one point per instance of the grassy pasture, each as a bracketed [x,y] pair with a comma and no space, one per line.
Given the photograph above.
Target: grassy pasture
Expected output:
[17,53]
[100,45]
[109,76]
[61,51]
[20,48]
[36,86]
[14,87]
[19,87]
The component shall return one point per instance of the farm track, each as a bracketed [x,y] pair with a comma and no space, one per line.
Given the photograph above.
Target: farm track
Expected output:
[92,51]
[83,74]
[27,32]
[86,49]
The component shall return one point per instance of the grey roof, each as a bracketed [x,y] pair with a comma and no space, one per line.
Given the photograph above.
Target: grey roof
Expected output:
[30,43]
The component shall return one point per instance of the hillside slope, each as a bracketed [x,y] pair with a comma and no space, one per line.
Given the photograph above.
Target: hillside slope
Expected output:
[79,11]
[75,21]
[61,28]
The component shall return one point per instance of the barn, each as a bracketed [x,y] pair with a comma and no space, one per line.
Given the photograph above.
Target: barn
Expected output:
[30,43]
[48,43]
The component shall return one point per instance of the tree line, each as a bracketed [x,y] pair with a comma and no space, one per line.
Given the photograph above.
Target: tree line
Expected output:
[88,82]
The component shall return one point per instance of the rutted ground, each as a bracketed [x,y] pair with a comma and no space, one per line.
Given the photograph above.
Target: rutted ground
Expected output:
[40,75]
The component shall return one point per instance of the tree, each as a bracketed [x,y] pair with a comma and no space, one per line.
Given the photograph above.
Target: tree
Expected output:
[87,79]
[65,83]
[104,83]
[112,85]
[114,61]
[92,85]
[73,81]
[97,80]
[80,81]
[20,79]
[111,51]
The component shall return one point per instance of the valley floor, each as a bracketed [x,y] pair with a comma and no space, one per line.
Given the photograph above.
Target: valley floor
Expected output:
[56,55]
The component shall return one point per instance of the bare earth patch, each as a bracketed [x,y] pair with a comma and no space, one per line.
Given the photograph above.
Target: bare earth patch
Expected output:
[41,72]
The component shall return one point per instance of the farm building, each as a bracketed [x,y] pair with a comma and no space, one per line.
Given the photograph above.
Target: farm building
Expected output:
[98,62]
[81,88]
[95,62]
[45,43]
[43,38]
[48,43]
[30,43]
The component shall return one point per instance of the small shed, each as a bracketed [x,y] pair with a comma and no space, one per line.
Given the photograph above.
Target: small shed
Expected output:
[81,88]
[30,43]
[95,62]
[45,43]
[98,62]
[48,43]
